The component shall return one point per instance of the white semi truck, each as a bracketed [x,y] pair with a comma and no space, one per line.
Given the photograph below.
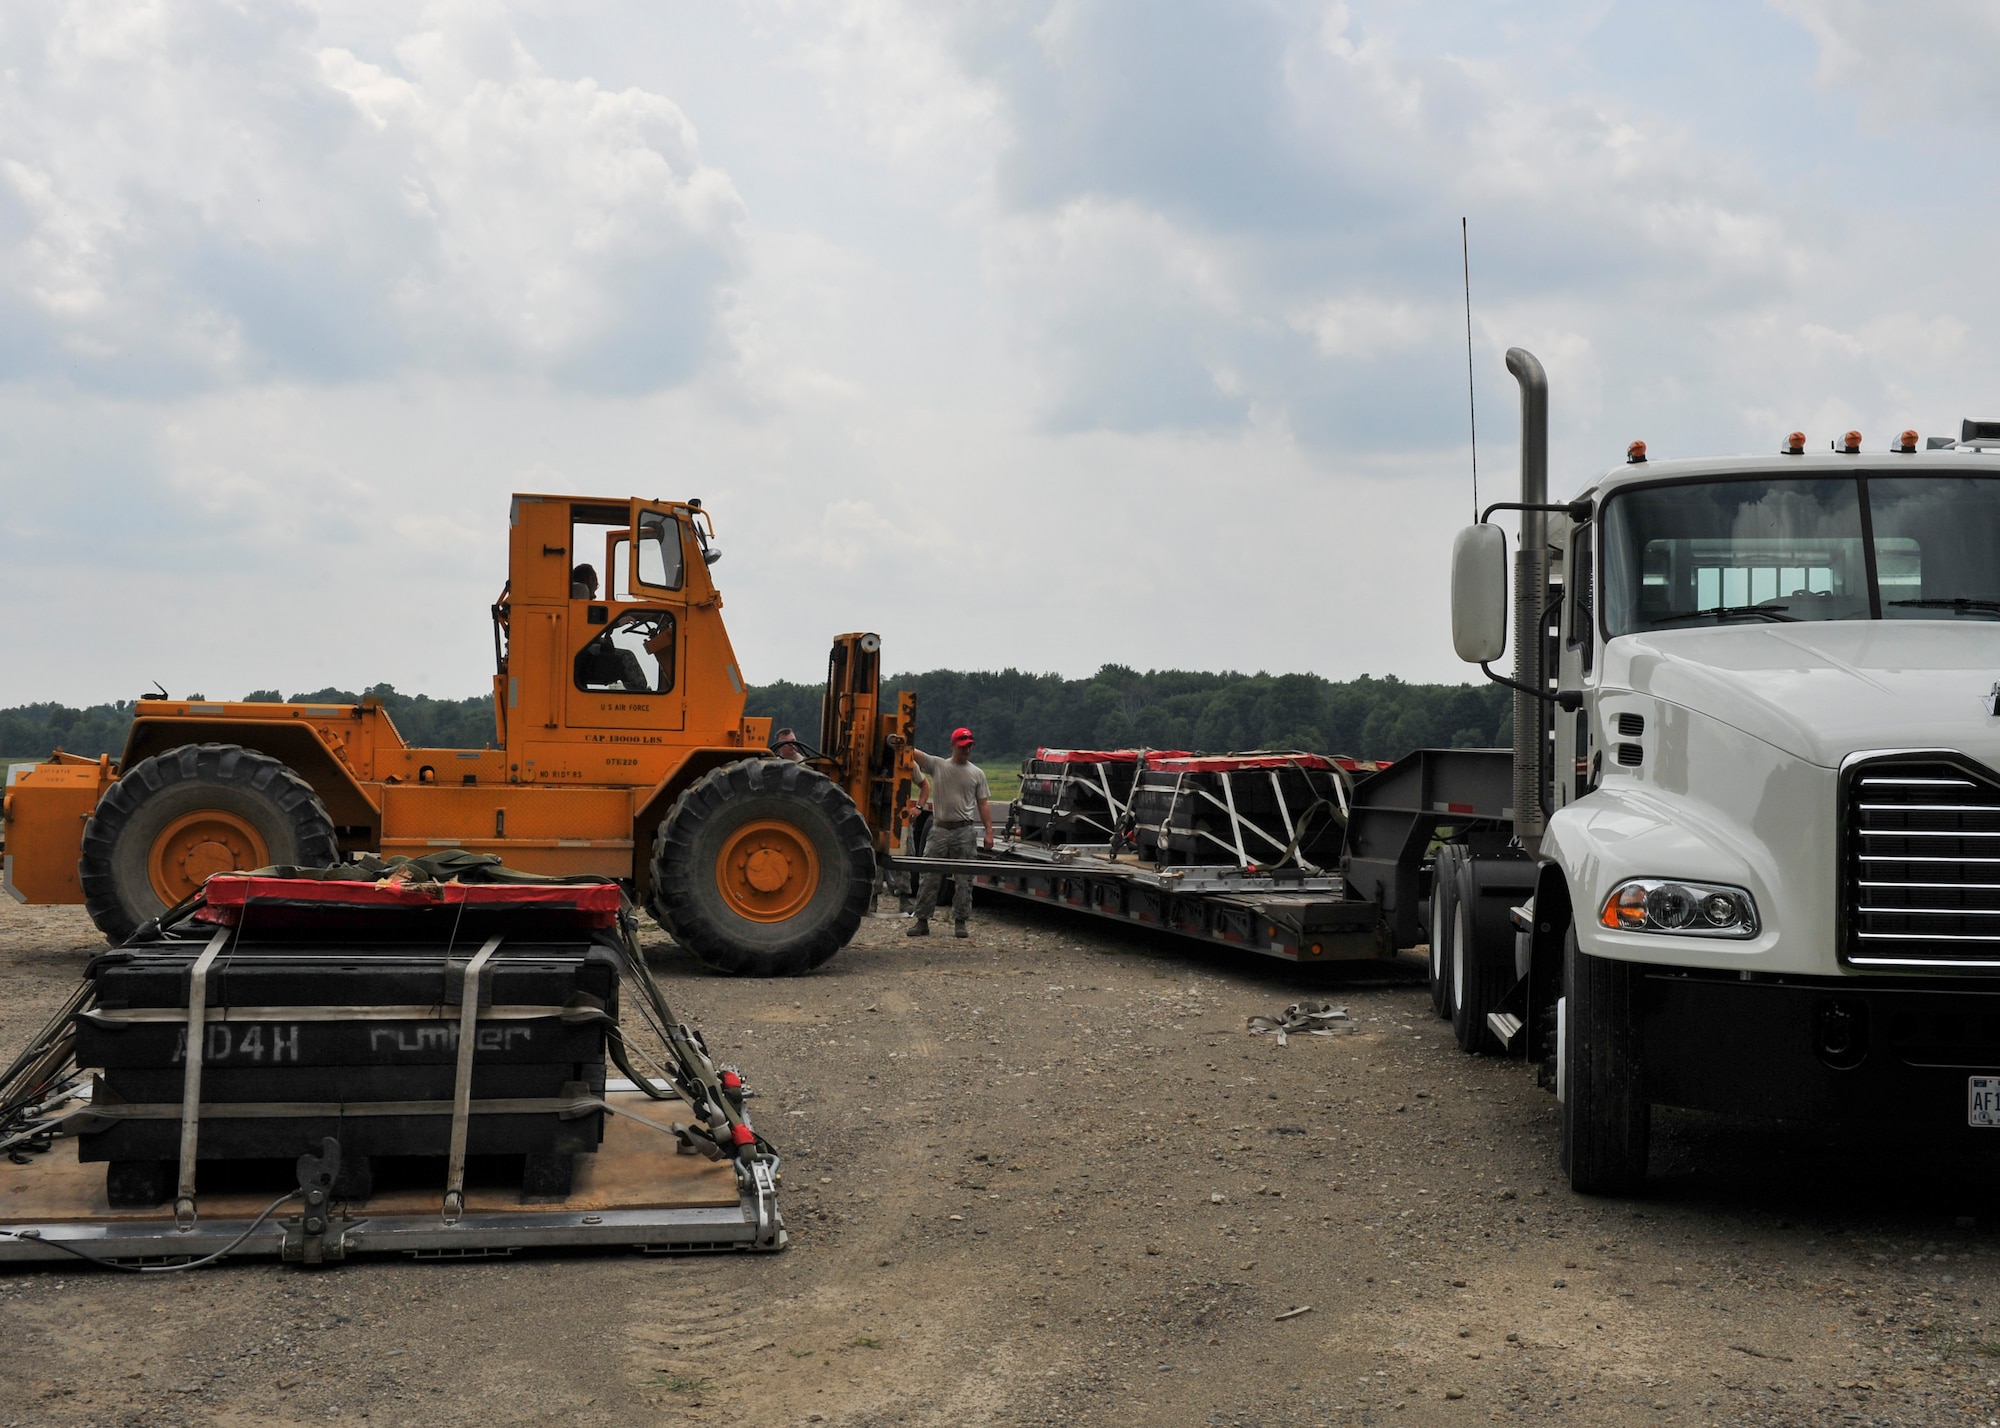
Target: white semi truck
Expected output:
[1756,790]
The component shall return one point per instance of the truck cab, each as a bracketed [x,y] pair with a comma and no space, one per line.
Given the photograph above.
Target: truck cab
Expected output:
[1758,769]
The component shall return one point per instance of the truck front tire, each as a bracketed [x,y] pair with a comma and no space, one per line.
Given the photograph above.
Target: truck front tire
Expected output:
[1607,1121]
[172,820]
[763,868]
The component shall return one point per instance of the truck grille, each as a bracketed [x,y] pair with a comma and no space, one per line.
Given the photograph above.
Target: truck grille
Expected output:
[1922,876]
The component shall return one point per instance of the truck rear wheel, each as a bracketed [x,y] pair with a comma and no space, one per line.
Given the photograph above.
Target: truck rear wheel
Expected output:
[1607,1121]
[762,869]
[174,819]
[1444,910]
[1481,971]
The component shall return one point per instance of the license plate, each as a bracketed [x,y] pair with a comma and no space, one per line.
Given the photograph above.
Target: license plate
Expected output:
[1982,1101]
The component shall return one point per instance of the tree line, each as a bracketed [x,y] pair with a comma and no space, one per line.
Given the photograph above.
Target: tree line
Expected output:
[1011,712]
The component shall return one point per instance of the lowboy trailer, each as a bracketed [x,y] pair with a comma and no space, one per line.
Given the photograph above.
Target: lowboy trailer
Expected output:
[1371,905]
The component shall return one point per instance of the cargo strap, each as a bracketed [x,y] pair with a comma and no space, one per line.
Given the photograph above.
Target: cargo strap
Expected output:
[461,1099]
[197,1033]
[1313,1018]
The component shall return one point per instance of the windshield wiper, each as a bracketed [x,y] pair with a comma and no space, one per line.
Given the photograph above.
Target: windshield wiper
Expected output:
[1957,602]
[1730,612]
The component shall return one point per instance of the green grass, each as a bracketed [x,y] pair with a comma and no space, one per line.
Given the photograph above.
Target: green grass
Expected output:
[681,1382]
[1003,783]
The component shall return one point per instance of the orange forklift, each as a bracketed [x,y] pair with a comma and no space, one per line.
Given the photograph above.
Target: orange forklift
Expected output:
[621,750]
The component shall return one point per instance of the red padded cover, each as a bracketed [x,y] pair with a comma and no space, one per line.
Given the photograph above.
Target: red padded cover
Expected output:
[1233,763]
[1107,756]
[229,893]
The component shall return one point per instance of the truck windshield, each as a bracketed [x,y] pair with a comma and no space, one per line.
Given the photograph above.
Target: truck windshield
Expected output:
[1745,551]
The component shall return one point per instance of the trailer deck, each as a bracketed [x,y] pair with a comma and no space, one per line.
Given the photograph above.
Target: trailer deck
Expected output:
[1289,914]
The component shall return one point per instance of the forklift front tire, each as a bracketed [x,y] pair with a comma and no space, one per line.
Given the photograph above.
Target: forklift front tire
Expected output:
[763,868]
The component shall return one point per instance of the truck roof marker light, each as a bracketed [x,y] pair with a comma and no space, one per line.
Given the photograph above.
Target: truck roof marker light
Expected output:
[1635,453]
[1795,444]
[1907,441]
[1850,444]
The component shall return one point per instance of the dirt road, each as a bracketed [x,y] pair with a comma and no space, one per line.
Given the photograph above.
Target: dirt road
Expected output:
[1048,1177]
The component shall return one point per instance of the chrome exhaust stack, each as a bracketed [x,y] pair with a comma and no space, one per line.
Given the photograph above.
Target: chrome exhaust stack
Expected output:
[1531,580]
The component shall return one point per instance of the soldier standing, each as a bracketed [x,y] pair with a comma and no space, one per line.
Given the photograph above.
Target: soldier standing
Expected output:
[958,797]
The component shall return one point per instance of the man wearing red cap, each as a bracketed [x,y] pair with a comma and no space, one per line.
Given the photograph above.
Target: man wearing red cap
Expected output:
[959,795]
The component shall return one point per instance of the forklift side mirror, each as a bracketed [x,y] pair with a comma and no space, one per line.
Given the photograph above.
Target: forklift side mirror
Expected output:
[1479,593]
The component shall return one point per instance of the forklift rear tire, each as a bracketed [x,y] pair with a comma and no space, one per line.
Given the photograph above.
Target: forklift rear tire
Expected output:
[763,869]
[1607,1121]
[171,820]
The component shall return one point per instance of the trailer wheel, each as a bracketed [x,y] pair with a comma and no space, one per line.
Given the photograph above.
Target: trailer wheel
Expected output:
[172,820]
[762,868]
[1607,1121]
[1444,910]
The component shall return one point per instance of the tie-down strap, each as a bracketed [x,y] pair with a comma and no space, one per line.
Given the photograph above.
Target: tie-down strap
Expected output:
[461,1099]
[197,1023]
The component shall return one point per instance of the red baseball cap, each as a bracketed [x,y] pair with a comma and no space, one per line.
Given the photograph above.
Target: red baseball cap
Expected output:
[961,735]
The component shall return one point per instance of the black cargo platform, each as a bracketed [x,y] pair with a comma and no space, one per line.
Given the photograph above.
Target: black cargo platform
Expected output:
[400,1060]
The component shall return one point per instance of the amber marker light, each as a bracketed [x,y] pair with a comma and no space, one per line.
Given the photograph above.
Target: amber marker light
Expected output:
[1626,908]
[1851,443]
[1635,453]
[1907,441]
[1795,444]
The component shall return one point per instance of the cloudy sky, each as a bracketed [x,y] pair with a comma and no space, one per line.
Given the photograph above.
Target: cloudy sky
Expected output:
[1041,333]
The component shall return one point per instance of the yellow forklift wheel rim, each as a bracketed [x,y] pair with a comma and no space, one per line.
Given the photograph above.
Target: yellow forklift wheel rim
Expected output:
[767,871]
[198,844]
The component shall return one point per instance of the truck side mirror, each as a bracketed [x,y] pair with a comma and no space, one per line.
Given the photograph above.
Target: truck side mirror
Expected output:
[1479,594]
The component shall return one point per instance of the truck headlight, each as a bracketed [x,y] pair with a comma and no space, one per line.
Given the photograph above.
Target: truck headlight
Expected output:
[1684,909]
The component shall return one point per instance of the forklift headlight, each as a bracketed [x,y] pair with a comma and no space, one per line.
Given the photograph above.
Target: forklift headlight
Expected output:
[1684,909]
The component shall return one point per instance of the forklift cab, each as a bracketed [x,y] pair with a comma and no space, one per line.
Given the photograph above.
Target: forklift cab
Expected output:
[607,625]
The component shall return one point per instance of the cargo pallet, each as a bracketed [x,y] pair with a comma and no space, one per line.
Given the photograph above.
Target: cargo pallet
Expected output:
[396,1037]
[637,1192]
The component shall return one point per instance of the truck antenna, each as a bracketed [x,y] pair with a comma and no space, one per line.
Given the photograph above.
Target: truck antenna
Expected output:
[1471,406]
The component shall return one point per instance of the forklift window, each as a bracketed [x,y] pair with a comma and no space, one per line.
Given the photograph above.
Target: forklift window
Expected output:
[588,528]
[634,654]
[658,553]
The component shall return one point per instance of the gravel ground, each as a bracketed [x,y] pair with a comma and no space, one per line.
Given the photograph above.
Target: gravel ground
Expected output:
[1047,1176]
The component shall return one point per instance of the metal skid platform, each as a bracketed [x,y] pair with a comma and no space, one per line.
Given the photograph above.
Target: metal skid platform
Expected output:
[638,1191]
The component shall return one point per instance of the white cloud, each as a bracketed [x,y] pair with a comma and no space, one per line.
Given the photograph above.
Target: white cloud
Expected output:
[212,192]
[1031,332]
[1933,60]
